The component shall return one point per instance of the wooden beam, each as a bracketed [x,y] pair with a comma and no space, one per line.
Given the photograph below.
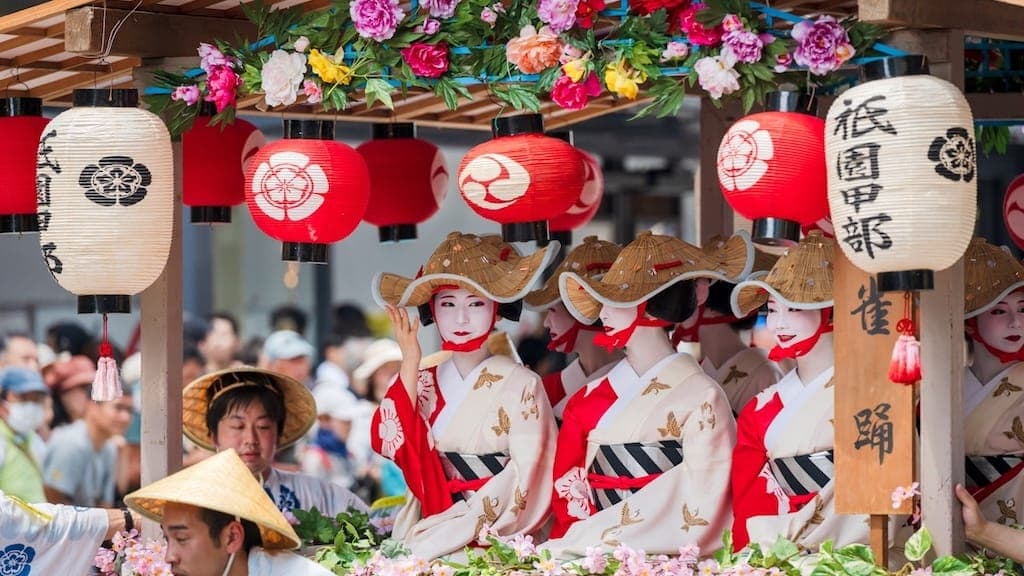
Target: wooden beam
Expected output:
[85,32]
[36,13]
[989,18]
[30,57]
[68,84]
[1008,106]
[77,64]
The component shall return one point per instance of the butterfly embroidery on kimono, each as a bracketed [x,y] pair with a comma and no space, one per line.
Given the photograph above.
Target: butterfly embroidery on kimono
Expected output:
[529,405]
[815,519]
[672,428]
[504,425]
[1007,511]
[1005,386]
[1016,432]
[654,387]
[734,374]
[520,499]
[490,515]
[707,416]
[486,380]
[692,519]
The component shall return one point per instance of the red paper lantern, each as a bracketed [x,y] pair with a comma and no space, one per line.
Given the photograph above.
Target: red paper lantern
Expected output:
[214,159]
[521,178]
[771,168]
[408,180]
[307,190]
[21,123]
[583,210]
[1013,210]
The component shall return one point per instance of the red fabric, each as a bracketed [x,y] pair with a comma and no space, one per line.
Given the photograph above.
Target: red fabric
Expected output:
[750,496]
[971,327]
[804,346]
[794,187]
[18,150]
[589,201]
[312,191]
[982,493]
[408,180]
[582,413]
[522,178]
[602,482]
[214,159]
[614,340]
[554,388]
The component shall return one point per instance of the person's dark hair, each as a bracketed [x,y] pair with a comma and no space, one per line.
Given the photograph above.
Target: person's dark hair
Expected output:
[217,521]
[720,300]
[674,304]
[533,351]
[288,317]
[263,392]
[222,316]
[350,321]
[249,354]
[333,340]
[72,338]
[194,329]
[191,352]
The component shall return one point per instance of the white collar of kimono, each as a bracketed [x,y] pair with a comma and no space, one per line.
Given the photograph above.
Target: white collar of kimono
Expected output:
[454,389]
[975,391]
[624,379]
[715,371]
[795,395]
[572,376]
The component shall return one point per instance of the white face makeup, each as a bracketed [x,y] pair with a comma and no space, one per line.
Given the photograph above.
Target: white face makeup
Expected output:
[616,319]
[558,321]
[1002,325]
[462,316]
[790,326]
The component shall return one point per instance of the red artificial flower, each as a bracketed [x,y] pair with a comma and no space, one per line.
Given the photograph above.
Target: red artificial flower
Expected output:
[427,60]
[575,95]
[697,33]
[645,7]
[587,12]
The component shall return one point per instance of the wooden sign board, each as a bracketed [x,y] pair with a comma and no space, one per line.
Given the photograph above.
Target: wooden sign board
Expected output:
[874,418]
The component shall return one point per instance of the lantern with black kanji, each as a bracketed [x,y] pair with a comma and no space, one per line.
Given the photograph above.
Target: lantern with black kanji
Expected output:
[585,207]
[521,178]
[1013,210]
[21,123]
[213,159]
[771,168]
[903,182]
[307,190]
[408,180]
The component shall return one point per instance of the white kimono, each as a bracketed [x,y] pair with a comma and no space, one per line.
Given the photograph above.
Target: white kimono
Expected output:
[48,539]
[291,490]
[277,563]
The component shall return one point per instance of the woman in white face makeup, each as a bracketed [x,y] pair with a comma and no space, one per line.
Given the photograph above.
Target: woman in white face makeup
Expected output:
[782,477]
[994,382]
[472,434]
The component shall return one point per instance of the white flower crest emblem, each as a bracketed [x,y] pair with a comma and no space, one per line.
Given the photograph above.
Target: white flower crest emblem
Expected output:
[743,155]
[426,394]
[575,489]
[493,181]
[287,186]
[390,429]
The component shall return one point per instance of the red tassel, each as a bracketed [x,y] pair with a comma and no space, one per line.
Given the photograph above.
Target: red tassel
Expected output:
[107,384]
[905,366]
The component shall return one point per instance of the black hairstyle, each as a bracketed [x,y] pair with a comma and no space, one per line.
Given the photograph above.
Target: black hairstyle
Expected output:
[263,390]
[191,352]
[289,317]
[72,338]
[720,300]
[222,316]
[350,321]
[217,521]
[675,303]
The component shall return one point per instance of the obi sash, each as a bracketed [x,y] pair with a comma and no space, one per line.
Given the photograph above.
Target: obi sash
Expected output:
[803,474]
[984,470]
[467,473]
[620,470]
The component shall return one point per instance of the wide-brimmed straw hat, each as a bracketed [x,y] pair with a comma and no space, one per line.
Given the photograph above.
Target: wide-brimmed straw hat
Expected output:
[990,273]
[300,408]
[221,483]
[800,279]
[484,265]
[592,258]
[648,266]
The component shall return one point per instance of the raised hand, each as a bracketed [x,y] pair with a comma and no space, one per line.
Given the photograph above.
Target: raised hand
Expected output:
[406,334]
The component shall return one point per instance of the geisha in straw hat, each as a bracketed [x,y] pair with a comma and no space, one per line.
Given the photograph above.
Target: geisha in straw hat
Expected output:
[994,382]
[592,258]
[472,434]
[782,464]
[656,401]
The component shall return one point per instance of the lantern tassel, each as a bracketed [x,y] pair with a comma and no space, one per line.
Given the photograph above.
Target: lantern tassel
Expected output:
[107,384]
[905,366]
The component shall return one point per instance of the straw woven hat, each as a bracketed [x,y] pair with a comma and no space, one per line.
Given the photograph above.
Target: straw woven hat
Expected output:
[300,408]
[592,258]
[484,265]
[761,261]
[221,483]
[800,279]
[649,265]
[990,273]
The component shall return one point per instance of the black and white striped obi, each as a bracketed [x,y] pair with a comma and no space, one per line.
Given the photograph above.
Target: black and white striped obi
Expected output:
[620,470]
[984,470]
[805,473]
[466,473]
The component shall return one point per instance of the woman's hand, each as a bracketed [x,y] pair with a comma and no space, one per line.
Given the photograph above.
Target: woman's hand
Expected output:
[406,334]
[974,522]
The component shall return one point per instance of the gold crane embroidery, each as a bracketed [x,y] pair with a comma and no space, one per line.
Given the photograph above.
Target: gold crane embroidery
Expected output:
[529,404]
[520,499]
[1007,387]
[1007,511]
[486,379]
[816,519]
[504,425]
[1016,431]
[734,374]
[692,519]
[627,518]
[654,387]
[490,515]
[707,416]
[672,428]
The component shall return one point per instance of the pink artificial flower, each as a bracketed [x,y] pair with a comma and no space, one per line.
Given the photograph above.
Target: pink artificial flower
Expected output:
[822,46]
[523,545]
[427,60]
[440,8]
[901,494]
[301,44]
[189,94]
[534,51]
[783,62]
[675,51]
[489,16]
[717,74]
[376,19]
[560,15]
[594,562]
[210,57]
[575,95]
[569,53]
[498,7]
[732,22]
[689,554]
[221,84]
[429,27]
[697,33]
[745,44]
[104,560]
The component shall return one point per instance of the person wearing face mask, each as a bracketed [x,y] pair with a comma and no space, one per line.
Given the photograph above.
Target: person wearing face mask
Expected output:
[643,453]
[591,259]
[994,382]
[472,434]
[218,521]
[782,475]
[22,393]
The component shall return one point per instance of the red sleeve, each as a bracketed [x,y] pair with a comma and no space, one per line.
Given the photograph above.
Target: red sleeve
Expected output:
[553,387]
[750,496]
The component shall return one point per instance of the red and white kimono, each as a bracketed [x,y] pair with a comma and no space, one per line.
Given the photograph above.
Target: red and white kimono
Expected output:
[782,472]
[994,442]
[743,376]
[561,386]
[644,461]
[475,452]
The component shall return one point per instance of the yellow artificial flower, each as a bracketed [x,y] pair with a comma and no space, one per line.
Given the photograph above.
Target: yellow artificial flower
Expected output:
[329,71]
[622,80]
[575,69]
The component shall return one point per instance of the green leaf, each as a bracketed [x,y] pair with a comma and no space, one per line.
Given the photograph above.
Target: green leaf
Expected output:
[783,548]
[951,566]
[918,545]
[856,566]
[749,96]
[378,89]
[445,90]
[860,551]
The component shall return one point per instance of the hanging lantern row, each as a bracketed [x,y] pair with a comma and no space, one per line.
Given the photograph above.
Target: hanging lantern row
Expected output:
[589,202]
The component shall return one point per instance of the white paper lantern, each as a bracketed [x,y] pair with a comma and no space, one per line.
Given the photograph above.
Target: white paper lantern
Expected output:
[105,187]
[903,182]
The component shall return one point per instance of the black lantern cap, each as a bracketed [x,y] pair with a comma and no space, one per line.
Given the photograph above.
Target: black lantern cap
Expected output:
[895,66]
[304,252]
[906,280]
[21,106]
[397,233]
[309,129]
[775,232]
[563,237]
[526,232]
[211,214]
[791,101]
[106,97]
[207,109]
[566,135]
[521,124]
[394,130]
[18,223]
[105,304]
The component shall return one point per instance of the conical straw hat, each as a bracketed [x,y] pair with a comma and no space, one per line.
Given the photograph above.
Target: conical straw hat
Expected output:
[221,483]
[484,265]
[990,273]
[647,266]
[800,279]
[300,407]
[592,258]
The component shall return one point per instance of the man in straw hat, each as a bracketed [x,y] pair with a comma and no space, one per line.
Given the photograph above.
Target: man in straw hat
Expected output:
[472,434]
[782,479]
[643,453]
[218,521]
[591,258]
[994,382]
[741,370]
[257,413]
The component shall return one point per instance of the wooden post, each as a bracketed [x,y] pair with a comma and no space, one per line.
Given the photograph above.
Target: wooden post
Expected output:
[714,215]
